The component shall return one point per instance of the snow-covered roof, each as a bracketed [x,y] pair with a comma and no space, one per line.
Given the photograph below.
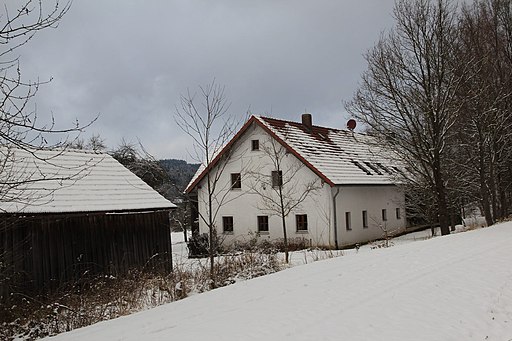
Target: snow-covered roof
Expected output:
[57,181]
[339,157]
[342,157]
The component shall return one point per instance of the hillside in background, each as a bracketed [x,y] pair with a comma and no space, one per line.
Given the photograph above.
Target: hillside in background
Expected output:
[180,172]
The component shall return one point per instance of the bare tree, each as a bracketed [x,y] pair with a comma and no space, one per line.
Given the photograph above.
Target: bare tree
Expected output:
[20,127]
[141,163]
[484,130]
[207,121]
[95,142]
[279,185]
[408,95]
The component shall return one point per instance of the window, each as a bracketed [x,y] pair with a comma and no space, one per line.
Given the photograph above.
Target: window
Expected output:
[365,219]
[262,223]
[302,222]
[277,178]
[384,215]
[236,180]
[348,226]
[255,145]
[398,213]
[227,224]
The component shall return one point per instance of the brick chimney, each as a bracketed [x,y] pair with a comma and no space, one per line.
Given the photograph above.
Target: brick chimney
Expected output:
[307,122]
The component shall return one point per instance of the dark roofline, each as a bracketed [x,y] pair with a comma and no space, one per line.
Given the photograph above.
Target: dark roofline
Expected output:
[254,119]
[80,213]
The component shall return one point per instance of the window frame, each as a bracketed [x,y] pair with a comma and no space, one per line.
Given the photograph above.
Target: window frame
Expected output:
[348,222]
[236,181]
[228,222]
[262,221]
[277,178]
[384,214]
[255,145]
[301,223]
[365,218]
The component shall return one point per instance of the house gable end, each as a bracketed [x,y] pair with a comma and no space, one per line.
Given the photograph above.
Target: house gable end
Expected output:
[256,120]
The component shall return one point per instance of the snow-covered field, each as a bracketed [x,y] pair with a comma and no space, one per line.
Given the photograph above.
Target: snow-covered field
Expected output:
[457,287]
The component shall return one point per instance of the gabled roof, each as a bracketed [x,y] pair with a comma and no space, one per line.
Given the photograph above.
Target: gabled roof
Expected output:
[339,157]
[56,181]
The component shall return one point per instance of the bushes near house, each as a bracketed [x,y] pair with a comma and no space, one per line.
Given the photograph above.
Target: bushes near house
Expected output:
[198,245]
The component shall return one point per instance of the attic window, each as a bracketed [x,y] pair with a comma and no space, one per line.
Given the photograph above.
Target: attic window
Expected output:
[386,169]
[375,169]
[361,167]
[255,145]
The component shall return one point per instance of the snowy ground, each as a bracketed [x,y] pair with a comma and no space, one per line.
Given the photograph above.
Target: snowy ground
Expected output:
[457,287]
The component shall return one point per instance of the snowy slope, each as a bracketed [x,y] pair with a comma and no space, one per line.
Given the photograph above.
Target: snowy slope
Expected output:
[457,287]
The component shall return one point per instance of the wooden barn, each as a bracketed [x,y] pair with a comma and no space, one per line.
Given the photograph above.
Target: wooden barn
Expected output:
[65,214]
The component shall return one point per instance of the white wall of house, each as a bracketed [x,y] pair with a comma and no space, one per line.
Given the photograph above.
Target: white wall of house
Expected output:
[244,207]
[372,199]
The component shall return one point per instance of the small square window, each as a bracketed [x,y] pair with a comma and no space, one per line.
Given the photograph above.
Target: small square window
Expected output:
[255,145]
[302,222]
[384,214]
[365,219]
[398,213]
[277,178]
[348,225]
[236,180]
[263,223]
[227,224]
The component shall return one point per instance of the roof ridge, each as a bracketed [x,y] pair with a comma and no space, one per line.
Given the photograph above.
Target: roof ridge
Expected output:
[316,126]
[62,150]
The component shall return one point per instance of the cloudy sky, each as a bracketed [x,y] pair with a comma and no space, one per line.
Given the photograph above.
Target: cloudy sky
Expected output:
[129,61]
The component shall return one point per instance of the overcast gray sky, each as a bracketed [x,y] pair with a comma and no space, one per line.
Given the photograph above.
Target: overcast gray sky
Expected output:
[129,61]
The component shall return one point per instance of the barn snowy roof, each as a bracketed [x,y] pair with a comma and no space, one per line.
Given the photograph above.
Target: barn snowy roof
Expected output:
[52,181]
[339,157]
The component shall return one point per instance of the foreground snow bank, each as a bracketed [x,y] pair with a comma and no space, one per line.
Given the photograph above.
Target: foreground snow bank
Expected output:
[457,287]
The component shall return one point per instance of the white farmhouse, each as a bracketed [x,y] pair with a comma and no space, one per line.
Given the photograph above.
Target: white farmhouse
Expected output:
[337,185]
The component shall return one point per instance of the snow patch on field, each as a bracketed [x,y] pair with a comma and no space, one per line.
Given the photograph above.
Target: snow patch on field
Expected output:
[457,287]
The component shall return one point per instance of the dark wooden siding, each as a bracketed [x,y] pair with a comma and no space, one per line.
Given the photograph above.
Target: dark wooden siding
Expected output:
[45,251]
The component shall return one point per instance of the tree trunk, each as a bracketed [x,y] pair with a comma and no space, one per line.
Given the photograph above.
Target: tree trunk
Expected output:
[484,194]
[492,189]
[442,206]
[283,218]
[211,248]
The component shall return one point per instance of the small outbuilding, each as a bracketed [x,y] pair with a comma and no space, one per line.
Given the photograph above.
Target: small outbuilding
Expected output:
[68,213]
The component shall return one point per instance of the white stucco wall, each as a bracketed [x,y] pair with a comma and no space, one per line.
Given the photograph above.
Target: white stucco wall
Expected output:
[373,199]
[245,206]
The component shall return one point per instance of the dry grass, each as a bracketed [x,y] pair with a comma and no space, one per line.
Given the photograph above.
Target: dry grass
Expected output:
[101,298]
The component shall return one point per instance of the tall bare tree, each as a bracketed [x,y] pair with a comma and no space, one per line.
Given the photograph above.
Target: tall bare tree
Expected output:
[20,127]
[23,135]
[484,129]
[279,185]
[210,125]
[408,93]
